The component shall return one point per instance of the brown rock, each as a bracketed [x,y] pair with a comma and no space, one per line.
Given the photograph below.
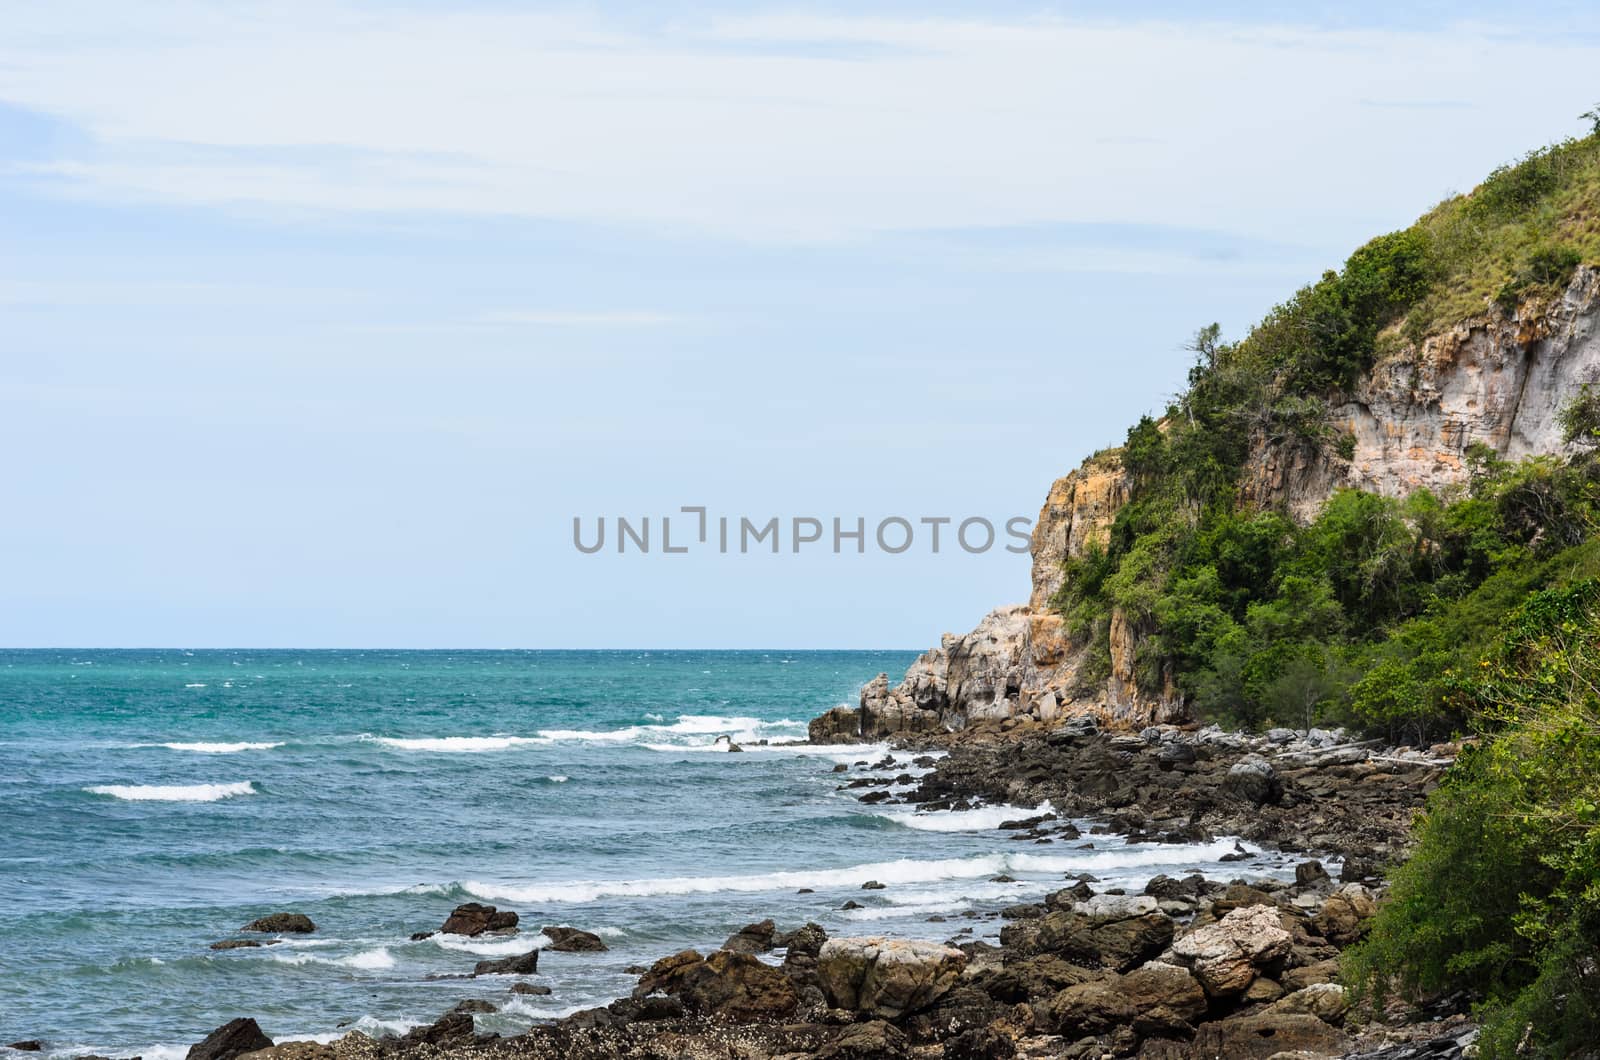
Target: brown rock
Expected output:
[234,1038]
[889,978]
[573,940]
[474,918]
[1260,1036]
[735,986]
[282,924]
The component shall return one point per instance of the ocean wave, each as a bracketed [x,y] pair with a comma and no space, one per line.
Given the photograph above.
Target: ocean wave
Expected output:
[456,744]
[172,792]
[980,820]
[557,778]
[366,960]
[503,947]
[219,748]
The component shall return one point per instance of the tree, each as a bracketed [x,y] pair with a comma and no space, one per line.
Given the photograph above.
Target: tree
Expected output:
[1593,116]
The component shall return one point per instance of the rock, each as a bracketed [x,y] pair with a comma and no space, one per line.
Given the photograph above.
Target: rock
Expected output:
[27,1045]
[1105,908]
[1326,1001]
[1325,971]
[520,964]
[1087,1009]
[1101,940]
[1265,1035]
[475,1004]
[1253,779]
[806,940]
[1227,956]
[572,940]
[1165,888]
[531,989]
[418,936]
[851,904]
[980,1043]
[734,986]
[1310,874]
[873,885]
[1344,915]
[887,978]
[234,1038]
[282,924]
[875,1040]
[451,1029]
[1261,992]
[474,918]
[752,938]
[1166,999]
[236,944]
[839,725]
[293,1051]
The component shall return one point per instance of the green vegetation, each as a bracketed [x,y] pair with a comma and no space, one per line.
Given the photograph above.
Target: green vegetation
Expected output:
[1371,614]
[1475,612]
[1502,896]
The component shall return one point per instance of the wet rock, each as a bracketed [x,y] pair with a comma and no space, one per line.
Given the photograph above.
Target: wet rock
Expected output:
[1310,874]
[981,1043]
[874,1040]
[234,1038]
[1266,1035]
[806,940]
[520,964]
[1166,888]
[475,1005]
[734,986]
[873,885]
[531,989]
[236,944]
[27,1045]
[475,918]
[887,978]
[572,940]
[451,1029]
[752,938]
[282,924]
[1227,956]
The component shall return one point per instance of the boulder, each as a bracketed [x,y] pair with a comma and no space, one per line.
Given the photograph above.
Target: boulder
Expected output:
[234,1038]
[839,725]
[806,940]
[752,938]
[27,1045]
[530,989]
[887,978]
[1120,933]
[1344,915]
[474,918]
[1227,956]
[572,940]
[1167,1001]
[520,964]
[1326,1001]
[1253,779]
[734,986]
[981,1043]
[282,924]
[1096,1007]
[450,1030]
[236,944]
[1256,1037]
[1310,874]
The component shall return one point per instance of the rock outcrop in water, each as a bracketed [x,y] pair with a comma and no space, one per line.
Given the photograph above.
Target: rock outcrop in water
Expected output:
[1500,380]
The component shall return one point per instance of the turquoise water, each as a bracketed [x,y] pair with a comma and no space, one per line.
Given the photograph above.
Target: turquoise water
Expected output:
[153,802]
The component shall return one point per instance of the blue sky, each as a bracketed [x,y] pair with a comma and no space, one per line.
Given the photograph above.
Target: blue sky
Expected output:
[319,323]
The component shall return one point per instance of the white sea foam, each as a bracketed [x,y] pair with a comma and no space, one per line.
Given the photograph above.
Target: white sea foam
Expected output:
[196,684]
[501,947]
[366,960]
[457,744]
[220,748]
[557,778]
[172,792]
[979,820]
[903,872]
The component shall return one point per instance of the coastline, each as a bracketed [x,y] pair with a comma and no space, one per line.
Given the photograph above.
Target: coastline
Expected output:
[1082,972]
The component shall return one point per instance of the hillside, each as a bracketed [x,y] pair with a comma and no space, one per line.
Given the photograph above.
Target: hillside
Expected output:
[1330,523]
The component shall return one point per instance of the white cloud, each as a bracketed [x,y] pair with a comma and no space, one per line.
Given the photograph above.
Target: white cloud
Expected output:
[779,127]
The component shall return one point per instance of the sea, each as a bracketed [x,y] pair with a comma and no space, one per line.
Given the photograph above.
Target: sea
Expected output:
[153,802]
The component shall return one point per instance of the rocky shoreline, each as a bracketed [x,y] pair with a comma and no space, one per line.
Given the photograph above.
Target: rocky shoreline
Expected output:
[1191,967]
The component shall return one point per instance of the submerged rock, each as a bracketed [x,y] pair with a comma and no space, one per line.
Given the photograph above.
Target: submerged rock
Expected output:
[474,918]
[236,944]
[573,940]
[282,924]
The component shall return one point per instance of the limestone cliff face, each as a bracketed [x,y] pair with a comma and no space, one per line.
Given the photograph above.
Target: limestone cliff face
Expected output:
[1501,380]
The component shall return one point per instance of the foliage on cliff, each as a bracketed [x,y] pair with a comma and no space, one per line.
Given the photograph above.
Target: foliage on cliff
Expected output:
[1502,896]
[1373,612]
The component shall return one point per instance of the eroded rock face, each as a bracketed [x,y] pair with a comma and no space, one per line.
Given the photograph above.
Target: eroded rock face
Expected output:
[1501,381]
[887,978]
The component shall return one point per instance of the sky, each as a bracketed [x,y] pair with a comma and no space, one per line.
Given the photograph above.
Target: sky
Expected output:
[320,323]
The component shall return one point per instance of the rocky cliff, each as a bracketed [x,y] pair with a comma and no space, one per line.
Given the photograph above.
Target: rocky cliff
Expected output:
[1500,379]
